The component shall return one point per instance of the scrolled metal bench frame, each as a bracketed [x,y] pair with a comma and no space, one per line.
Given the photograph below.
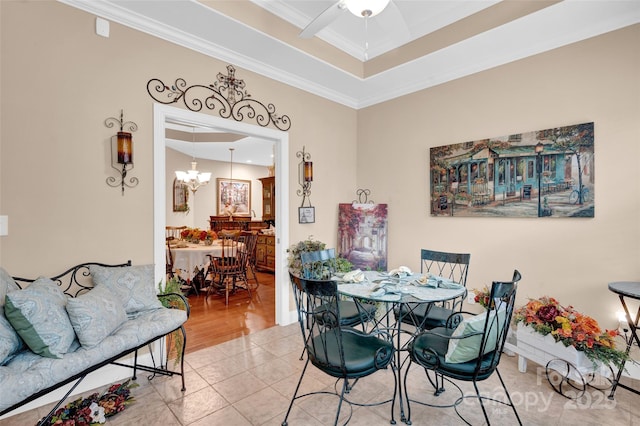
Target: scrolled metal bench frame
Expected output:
[72,286]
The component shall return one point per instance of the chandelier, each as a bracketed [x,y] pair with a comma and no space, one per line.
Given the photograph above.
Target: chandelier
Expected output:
[193,178]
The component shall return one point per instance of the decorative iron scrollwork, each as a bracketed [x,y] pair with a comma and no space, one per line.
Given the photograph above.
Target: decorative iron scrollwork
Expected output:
[363,197]
[227,95]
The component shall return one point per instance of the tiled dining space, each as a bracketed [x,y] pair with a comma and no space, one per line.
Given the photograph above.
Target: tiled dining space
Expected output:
[250,380]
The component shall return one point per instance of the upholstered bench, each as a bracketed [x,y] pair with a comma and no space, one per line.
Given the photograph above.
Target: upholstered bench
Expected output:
[55,331]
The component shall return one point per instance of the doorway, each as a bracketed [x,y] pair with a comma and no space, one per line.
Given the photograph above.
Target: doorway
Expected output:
[164,114]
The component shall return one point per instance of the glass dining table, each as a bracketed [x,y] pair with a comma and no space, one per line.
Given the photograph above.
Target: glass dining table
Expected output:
[398,296]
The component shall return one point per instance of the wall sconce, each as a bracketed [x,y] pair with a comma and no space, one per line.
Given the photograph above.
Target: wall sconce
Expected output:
[306,214]
[305,176]
[122,155]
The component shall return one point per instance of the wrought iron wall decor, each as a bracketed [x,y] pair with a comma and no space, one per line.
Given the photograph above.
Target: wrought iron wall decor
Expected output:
[228,95]
[122,155]
[363,197]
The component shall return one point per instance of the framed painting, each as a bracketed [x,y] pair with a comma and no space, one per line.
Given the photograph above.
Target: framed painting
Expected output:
[180,196]
[234,197]
[362,235]
[544,173]
[306,214]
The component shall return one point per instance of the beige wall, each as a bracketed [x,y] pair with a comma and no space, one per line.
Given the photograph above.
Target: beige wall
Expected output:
[203,203]
[571,259]
[59,81]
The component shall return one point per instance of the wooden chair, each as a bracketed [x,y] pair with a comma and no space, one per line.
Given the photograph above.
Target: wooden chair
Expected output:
[169,261]
[250,241]
[173,232]
[229,270]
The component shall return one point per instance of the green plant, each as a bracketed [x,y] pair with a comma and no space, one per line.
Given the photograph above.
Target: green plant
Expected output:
[171,299]
[308,245]
[343,265]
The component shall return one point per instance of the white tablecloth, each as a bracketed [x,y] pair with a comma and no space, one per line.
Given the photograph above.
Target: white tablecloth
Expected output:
[187,259]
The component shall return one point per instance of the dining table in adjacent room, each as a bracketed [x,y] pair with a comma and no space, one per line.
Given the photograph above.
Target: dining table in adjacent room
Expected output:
[399,296]
[189,258]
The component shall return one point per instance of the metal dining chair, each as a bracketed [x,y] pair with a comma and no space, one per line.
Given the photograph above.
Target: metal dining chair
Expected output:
[322,264]
[340,352]
[452,266]
[469,351]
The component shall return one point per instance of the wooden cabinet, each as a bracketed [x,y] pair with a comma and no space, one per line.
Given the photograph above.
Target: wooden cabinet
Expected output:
[266,253]
[268,198]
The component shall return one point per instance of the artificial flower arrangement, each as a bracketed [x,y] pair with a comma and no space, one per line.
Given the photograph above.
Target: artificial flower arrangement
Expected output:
[196,234]
[482,296]
[546,316]
[95,408]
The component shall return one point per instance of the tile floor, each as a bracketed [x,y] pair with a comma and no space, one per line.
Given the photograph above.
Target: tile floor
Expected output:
[249,381]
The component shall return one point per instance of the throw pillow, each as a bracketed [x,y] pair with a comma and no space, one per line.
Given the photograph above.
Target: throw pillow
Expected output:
[7,284]
[10,342]
[133,286]
[38,315]
[467,349]
[95,314]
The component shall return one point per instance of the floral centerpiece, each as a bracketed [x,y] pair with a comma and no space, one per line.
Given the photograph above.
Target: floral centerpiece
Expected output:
[568,326]
[195,235]
[95,408]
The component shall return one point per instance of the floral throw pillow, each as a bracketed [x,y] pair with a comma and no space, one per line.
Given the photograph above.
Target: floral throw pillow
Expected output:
[38,315]
[133,286]
[95,314]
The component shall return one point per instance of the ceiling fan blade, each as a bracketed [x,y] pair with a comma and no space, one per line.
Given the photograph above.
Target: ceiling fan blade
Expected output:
[325,18]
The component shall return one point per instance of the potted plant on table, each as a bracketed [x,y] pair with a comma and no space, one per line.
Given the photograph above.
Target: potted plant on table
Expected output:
[309,245]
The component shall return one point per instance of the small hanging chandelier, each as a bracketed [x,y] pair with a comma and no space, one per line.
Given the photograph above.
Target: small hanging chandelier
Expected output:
[192,178]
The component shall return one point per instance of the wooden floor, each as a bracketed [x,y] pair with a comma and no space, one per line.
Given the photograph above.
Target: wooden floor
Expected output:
[211,322]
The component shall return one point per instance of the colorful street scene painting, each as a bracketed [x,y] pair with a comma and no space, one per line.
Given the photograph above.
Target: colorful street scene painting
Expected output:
[545,173]
[362,235]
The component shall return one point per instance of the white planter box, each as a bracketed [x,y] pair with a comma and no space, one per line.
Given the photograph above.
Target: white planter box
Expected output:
[541,349]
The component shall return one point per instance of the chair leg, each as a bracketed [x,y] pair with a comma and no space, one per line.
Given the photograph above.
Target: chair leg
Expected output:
[345,385]
[513,407]
[484,410]
[295,393]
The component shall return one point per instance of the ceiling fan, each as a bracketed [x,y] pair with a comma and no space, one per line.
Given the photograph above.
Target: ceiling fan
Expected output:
[360,8]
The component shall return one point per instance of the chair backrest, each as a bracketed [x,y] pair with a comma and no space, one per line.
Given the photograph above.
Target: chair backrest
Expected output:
[169,260]
[230,260]
[250,241]
[173,232]
[323,340]
[319,264]
[453,266]
[496,325]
